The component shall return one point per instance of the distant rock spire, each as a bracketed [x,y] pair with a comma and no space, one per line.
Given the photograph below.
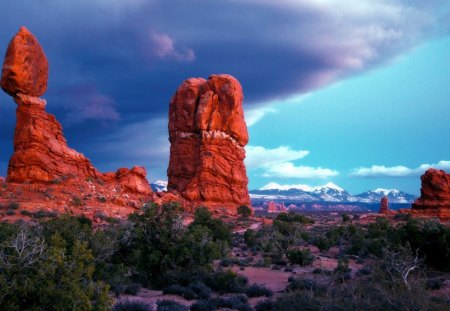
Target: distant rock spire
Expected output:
[384,207]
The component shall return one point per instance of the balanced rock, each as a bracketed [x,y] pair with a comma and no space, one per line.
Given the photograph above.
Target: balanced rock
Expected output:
[208,134]
[384,205]
[435,195]
[25,69]
[41,153]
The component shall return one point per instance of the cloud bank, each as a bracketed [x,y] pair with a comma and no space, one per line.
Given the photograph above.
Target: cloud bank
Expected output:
[397,171]
[277,163]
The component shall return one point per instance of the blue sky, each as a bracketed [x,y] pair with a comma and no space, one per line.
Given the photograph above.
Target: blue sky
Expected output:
[353,92]
[395,117]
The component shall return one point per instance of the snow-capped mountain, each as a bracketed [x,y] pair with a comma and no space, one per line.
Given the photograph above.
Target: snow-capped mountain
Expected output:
[159,186]
[394,196]
[326,193]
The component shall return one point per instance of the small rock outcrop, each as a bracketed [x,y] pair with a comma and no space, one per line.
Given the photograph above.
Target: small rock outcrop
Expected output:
[41,154]
[384,205]
[435,195]
[208,134]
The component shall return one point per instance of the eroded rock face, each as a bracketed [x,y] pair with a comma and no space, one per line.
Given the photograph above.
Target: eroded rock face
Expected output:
[384,205]
[435,195]
[41,153]
[25,69]
[208,133]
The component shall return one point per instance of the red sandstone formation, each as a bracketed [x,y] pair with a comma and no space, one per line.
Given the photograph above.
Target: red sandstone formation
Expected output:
[384,205]
[435,195]
[41,154]
[208,133]
[25,69]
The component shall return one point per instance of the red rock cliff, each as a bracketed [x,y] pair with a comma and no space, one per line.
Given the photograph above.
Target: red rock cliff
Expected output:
[435,195]
[41,153]
[208,133]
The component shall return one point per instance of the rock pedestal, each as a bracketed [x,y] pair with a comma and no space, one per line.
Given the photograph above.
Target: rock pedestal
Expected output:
[435,195]
[208,133]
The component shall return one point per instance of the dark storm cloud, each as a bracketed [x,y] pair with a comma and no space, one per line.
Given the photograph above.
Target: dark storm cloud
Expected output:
[115,64]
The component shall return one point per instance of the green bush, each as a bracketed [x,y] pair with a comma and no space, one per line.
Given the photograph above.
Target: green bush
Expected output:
[244,211]
[294,217]
[131,306]
[226,282]
[300,257]
[181,291]
[13,206]
[256,290]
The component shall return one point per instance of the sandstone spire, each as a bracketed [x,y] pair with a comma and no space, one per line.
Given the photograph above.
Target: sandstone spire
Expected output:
[208,134]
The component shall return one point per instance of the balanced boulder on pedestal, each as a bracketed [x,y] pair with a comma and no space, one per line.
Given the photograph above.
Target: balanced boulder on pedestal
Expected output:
[208,134]
[41,154]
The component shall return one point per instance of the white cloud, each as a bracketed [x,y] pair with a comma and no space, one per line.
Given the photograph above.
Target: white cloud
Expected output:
[277,163]
[257,156]
[397,171]
[255,114]
[289,170]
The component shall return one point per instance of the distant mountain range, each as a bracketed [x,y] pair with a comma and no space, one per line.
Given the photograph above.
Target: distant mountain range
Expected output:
[326,193]
[159,186]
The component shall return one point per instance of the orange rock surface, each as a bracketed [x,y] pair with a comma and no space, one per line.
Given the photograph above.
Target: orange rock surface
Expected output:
[208,133]
[435,195]
[25,69]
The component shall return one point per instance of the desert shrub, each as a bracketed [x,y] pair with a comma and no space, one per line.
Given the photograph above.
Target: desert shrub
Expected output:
[44,214]
[220,230]
[237,302]
[301,257]
[256,290]
[201,290]
[250,237]
[10,212]
[226,282]
[181,291]
[300,300]
[345,217]
[265,305]
[404,217]
[244,211]
[169,305]
[26,213]
[297,283]
[13,206]
[294,217]
[342,266]
[77,201]
[322,242]
[131,306]
[38,272]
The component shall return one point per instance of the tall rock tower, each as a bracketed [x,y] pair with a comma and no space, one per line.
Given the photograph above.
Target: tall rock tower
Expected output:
[207,132]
